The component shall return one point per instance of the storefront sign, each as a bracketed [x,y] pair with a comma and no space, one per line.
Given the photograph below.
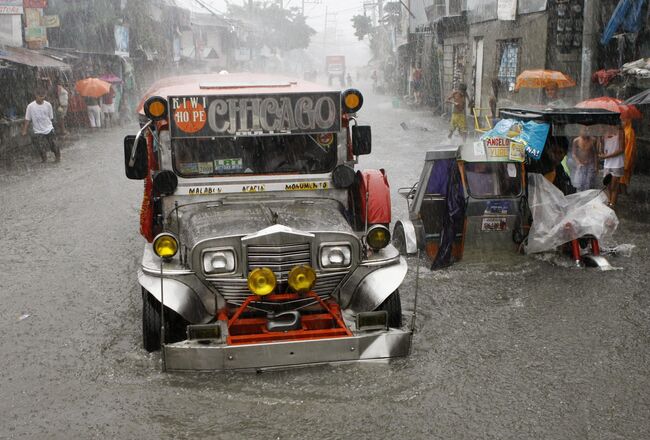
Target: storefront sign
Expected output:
[121,34]
[507,10]
[209,116]
[42,4]
[32,17]
[11,7]
[37,33]
[51,21]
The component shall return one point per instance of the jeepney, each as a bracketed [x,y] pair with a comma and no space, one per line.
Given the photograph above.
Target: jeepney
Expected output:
[265,247]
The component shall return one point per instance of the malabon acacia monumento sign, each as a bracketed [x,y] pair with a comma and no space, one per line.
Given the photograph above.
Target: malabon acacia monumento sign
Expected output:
[233,115]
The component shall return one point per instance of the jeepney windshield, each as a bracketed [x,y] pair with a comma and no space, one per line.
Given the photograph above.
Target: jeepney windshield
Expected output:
[304,154]
[493,179]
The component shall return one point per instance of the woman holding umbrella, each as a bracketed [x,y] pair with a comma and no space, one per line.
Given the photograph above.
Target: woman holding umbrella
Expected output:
[92,89]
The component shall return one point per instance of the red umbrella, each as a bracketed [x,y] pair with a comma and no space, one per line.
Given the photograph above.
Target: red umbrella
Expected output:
[613,105]
[92,87]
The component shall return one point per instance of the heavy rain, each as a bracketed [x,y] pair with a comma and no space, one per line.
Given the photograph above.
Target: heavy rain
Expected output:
[325,219]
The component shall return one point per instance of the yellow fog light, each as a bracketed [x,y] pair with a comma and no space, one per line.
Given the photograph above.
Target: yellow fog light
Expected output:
[352,101]
[378,237]
[302,278]
[165,245]
[261,281]
[155,108]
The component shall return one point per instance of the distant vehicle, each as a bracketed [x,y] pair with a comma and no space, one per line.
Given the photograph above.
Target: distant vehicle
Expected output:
[335,68]
[266,249]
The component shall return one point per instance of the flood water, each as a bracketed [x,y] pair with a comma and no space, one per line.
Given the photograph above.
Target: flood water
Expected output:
[508,347]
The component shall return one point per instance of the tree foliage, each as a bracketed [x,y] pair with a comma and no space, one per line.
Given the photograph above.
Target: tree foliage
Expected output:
[272,26]
[362,26]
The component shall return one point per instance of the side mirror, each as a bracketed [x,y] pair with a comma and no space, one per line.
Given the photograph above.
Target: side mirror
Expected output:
[140,165]
[361,140]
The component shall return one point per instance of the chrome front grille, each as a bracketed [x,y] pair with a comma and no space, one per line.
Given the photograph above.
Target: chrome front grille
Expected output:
[235,290]
[279,258]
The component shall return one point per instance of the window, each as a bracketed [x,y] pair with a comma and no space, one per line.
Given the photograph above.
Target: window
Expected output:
[508,63]
[493,179]
[303,154]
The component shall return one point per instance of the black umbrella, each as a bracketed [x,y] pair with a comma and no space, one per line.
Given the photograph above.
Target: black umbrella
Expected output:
[639,99]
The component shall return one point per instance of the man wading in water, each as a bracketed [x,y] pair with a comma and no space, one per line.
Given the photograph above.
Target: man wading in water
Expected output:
[39,112]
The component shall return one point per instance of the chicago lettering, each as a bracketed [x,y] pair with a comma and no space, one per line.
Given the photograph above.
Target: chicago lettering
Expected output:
[271,114]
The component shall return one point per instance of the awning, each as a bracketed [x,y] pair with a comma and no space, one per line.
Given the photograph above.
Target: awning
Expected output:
[31,58]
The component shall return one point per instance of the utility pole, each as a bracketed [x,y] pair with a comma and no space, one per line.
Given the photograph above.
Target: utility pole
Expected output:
[589,45]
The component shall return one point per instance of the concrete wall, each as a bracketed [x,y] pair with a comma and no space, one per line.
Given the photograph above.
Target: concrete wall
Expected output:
[531,30]
[11,33]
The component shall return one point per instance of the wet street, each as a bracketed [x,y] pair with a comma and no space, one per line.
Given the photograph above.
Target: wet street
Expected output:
[509,347]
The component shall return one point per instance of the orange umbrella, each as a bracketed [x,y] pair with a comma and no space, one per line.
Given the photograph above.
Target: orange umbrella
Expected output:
[613,105]
[538,79]
[92,87]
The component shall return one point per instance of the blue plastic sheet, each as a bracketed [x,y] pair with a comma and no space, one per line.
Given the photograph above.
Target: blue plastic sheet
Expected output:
[627,15]
[532,134]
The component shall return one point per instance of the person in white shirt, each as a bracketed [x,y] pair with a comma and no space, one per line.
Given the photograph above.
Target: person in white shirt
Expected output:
[62,110]
[614,155]
[39,112]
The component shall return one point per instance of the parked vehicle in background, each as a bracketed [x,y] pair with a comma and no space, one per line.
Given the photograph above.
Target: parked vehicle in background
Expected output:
[335,69]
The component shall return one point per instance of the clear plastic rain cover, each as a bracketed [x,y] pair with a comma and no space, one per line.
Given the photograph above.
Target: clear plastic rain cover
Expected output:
[558,219]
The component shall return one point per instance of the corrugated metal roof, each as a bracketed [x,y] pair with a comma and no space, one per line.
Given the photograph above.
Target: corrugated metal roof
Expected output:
[28,57]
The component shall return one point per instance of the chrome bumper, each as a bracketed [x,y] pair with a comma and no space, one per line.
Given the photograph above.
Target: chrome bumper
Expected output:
[192,355]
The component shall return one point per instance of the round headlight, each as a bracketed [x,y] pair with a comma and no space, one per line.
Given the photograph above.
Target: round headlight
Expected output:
[155,108]
[352,101]
[378,237]
[261,281]
[302,278]
[165,245]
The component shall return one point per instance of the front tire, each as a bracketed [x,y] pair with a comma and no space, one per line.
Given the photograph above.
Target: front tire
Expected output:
[393,306]
[175,325]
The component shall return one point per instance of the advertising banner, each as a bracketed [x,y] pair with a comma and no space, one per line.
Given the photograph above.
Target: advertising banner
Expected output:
[121,34]
[237,115]
[51,21]
[11,7]
[32,17]
[42,4]
[36,33]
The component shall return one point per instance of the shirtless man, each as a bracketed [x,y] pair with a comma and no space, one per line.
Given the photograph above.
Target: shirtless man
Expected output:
[459,100]
[585,156]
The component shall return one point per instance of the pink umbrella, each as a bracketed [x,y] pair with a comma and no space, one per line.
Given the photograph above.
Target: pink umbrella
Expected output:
[111,78]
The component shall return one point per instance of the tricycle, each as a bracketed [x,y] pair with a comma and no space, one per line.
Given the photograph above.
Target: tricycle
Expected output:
[476,198]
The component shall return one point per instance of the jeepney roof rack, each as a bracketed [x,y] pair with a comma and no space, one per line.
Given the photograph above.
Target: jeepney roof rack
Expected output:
[247,84]
[583,116]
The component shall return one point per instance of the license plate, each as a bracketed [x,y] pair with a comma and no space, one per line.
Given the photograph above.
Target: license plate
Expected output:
[494,224]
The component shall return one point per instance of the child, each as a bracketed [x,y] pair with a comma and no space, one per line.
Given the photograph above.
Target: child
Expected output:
[459,100]
[585,156]
[614,150]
